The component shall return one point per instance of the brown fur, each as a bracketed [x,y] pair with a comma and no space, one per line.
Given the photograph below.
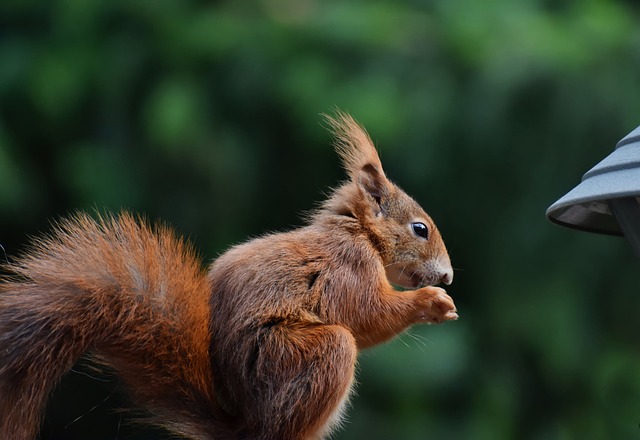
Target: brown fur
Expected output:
[263,345]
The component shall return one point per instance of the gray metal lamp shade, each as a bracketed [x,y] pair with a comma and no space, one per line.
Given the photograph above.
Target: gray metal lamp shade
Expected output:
[607,199]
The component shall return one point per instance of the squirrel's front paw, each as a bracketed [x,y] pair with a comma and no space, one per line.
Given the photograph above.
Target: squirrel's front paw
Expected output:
[434,305]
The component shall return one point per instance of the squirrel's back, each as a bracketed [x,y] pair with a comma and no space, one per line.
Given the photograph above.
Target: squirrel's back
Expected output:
[133,295]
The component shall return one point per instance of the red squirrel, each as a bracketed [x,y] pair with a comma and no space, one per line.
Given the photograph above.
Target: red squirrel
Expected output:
[261,345]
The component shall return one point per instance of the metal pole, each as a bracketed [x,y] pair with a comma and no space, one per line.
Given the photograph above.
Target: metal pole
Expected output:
[627,212]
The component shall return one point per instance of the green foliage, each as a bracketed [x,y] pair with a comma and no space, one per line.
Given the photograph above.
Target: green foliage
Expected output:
[207,115]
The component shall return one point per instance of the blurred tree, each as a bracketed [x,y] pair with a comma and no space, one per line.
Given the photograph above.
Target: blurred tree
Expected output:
[206,115]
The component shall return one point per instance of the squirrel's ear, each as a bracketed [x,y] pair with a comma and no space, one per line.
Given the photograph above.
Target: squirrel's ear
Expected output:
[372,181]
[359,156]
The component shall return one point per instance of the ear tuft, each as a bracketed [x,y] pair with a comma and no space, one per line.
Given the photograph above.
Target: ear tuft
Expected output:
[354,146]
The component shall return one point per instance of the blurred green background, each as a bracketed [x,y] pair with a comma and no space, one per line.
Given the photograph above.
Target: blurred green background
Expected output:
[207,115]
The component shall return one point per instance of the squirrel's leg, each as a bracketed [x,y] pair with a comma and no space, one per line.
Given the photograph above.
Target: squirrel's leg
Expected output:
[394,311]
[303,375]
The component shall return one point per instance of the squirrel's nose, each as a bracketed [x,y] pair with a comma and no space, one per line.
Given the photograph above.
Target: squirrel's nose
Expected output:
[447,277]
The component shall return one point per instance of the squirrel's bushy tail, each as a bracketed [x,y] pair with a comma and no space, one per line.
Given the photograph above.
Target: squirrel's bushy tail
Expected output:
[134,295]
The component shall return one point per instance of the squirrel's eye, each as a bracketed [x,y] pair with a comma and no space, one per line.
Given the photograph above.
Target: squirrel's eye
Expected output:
[420,229]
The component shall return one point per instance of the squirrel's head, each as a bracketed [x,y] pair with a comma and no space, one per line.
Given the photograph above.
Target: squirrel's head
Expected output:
[409,243]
